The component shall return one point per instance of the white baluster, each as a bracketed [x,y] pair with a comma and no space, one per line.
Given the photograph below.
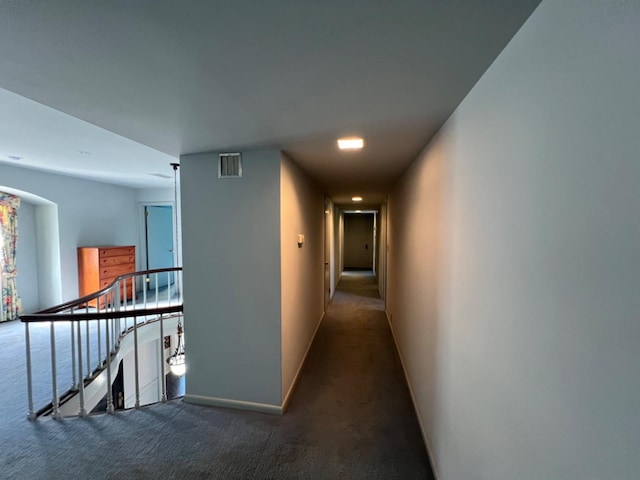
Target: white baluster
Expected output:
[74,385]
[88,350]
[55,402]
[163,378]
[109,391]
[135,354]
[99,365]
[82,411]
[27,342]
[157,291]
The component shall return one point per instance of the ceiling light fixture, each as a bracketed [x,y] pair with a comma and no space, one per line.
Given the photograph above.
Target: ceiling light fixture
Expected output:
[15,158]
[350,143]
[356,199]
[84,153]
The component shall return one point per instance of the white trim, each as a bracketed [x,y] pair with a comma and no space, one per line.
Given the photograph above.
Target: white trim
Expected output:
[228,403]
[296,377]
[142,247]
[413,400]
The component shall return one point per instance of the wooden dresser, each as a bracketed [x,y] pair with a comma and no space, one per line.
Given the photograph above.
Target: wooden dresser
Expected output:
[98,267]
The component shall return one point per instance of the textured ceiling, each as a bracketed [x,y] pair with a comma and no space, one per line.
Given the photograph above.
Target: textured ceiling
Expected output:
[136,84]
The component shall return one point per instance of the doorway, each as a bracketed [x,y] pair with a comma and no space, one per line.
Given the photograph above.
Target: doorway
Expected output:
[158,243]
[359,238]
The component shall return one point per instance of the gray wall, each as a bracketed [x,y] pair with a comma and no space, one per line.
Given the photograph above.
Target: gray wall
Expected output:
[302,274]
[381,249]
[231,257]
[513,267]
[89,213]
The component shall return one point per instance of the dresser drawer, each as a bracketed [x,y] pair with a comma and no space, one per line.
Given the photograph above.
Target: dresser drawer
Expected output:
[116,270]
[119,260]
[105,282]
[116,251]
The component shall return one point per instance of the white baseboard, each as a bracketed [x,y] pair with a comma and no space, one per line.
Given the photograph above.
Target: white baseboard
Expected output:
[413,400]
[236,404]
[296,377]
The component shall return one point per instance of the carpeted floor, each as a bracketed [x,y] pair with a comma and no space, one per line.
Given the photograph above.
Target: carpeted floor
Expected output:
[350,417]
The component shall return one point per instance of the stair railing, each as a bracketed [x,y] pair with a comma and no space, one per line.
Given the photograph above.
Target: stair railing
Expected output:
[99,322]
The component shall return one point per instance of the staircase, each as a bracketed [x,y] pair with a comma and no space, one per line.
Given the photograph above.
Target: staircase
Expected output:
[117,351]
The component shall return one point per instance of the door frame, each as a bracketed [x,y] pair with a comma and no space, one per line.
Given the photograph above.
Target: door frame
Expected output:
[142,230]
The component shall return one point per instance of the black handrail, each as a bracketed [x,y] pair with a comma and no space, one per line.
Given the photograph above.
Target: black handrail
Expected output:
[54,314]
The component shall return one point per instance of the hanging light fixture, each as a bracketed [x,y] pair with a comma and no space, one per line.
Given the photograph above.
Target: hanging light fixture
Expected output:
[177,361]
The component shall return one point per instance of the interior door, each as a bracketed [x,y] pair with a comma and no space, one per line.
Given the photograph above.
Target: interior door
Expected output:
[358,241]
[159,242]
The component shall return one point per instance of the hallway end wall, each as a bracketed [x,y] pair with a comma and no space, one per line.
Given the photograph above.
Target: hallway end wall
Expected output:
[302,274]
[513,263]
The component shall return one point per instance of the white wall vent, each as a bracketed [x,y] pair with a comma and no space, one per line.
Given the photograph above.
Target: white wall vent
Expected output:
[230,165]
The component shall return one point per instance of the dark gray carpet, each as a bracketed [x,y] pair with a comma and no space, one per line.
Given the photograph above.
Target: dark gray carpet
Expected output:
[350,418]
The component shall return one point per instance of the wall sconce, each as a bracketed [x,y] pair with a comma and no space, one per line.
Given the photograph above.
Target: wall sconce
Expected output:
[300,240]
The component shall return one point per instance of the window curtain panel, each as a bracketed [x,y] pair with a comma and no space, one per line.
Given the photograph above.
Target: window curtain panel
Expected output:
[11,303]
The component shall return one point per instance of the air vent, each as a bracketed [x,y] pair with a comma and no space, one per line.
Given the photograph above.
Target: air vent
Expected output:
[230,165]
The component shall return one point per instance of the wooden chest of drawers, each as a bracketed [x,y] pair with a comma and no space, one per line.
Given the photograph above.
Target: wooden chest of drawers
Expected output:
[98,267]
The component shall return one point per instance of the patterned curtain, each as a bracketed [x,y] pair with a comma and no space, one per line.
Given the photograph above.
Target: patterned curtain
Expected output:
[11,303]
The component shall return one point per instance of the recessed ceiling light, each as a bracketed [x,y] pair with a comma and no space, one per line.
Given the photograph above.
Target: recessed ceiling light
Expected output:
[84,152]
[356,199]
[350,143]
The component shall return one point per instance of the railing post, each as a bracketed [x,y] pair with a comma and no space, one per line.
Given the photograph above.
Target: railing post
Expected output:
[113,326]
[113,336]
[157,291]
[99,365]
[163,378]
[144,295]
[135,354]
[118,323]
[55,402]
[82,411]
[27,342]
[88,348]
[108,367]
[74,385]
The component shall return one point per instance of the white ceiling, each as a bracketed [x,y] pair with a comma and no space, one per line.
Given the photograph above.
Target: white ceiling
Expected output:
[137,83]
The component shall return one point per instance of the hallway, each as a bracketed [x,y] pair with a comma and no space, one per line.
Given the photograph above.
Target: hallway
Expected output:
[350,417]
